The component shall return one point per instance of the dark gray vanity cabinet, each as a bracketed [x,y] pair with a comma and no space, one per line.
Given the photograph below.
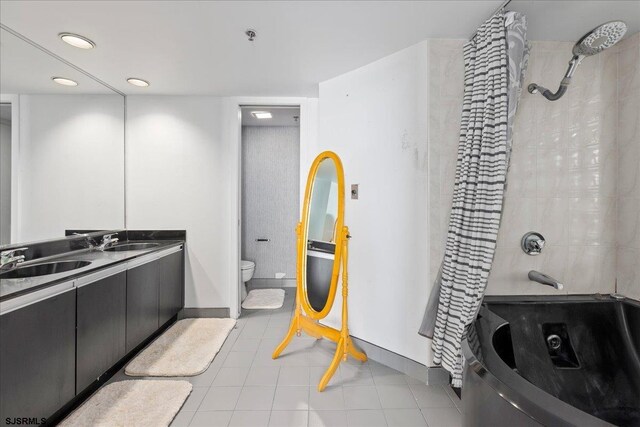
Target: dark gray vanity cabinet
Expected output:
[142,302]
[170,287]
[37,355]
[101,333]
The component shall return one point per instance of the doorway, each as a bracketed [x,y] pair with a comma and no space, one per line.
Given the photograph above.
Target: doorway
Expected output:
[269,196]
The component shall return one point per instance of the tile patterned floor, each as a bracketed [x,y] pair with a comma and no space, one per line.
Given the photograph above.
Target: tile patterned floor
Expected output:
[245,387]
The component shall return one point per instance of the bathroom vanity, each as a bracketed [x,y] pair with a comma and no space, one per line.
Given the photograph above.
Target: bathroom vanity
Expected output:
[63,333]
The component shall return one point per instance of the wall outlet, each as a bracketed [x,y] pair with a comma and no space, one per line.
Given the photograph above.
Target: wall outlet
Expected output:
[280,275]
[354,191]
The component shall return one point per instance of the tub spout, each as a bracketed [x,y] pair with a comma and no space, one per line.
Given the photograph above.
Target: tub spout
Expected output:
[536,276]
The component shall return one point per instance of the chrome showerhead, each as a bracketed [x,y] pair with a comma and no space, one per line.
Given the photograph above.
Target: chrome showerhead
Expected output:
[600,38]
[595,41]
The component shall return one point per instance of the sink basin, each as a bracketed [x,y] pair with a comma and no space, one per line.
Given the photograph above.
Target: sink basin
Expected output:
[43,269]
[132,247]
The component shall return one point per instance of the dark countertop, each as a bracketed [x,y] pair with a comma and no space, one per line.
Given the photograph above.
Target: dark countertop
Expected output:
[11,288]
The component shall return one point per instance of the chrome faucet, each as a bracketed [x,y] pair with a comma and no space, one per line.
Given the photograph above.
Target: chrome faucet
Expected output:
[9,259]
[536,276]
[107,241]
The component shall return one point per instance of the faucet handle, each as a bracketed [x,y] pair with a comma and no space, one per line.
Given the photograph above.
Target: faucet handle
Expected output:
[532,243]
[12,252]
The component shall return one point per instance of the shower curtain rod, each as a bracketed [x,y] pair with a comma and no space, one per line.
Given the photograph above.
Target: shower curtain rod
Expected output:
[502,6]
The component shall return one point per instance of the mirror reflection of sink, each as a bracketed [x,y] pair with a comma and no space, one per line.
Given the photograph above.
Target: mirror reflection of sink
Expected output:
[43,269]
[132,247]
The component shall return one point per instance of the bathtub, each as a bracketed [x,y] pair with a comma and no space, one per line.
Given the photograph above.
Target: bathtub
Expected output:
[553,361]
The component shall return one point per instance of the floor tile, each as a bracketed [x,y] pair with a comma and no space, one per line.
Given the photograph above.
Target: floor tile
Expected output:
[366,418]
[239,359]
[404,418]
[278,333]
[291,398]
[289,419]
[206,378]
[442,417]
[294,375]
[317,372]
[263,375]
[231,377]
[430,396]
[220,399]
[250,419]
[256,398]
[354,375]
[250,344]
[330,398]
[327,418]
[396,397]
[211,419]
[182,419]
[361,397]
[195,398]
[253,330]
[383,375]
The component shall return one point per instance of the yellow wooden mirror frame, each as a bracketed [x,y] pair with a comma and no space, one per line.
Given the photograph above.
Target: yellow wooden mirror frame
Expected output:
[305,318]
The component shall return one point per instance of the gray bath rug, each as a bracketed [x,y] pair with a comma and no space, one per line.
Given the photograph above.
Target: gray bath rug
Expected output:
[184,350]
[264,299]
[135,403]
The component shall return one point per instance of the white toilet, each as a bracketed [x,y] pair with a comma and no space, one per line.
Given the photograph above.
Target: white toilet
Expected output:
[247,269]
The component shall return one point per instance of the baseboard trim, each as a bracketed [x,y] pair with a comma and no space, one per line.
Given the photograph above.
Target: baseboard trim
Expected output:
[430,375]
[271,283]
[189,313]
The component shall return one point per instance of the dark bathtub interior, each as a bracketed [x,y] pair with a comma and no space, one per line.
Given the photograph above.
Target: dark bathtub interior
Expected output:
[585,354]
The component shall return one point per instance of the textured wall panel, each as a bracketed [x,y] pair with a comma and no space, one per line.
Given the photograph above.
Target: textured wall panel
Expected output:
[270,198]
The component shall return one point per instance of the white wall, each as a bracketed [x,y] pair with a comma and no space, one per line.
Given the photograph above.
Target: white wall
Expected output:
[183,172]
[374,118]
[628,254]
[177,178]
[5,182]
[71,171]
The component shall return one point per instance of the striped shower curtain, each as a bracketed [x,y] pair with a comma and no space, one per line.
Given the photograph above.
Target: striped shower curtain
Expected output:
[491,91]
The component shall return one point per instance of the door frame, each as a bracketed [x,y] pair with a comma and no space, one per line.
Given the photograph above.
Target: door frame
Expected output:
[308,142]
[14,100]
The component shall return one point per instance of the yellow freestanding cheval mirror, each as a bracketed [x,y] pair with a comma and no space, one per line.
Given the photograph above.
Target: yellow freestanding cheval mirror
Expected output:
[322,243]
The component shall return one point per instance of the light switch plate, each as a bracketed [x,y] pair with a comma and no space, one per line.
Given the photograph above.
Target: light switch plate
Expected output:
[354,191]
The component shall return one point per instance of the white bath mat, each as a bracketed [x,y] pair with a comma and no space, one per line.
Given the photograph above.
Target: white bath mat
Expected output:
[185,349]
[134,403]
[264,299]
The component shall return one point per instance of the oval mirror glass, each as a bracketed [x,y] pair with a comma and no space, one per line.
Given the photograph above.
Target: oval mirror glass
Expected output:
[323,227]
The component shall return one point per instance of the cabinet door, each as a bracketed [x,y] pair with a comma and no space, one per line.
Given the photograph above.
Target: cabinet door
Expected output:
[37,357]
[171,286]
[102,310]
[142,302]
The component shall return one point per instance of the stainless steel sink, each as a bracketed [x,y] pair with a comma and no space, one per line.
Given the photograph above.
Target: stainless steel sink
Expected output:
[132,247]
[43,269]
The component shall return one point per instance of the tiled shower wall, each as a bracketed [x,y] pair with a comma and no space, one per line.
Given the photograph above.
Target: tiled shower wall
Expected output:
[270,203]
[563,176]
[628,270]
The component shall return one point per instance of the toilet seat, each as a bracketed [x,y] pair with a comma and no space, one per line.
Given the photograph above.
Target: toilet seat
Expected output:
[247,265]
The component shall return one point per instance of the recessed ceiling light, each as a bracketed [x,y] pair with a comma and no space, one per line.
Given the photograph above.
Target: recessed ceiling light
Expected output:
[261,114]
[138,82]
[77,40]
[64,81]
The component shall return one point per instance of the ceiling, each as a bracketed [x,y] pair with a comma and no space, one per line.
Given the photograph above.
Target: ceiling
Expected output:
[25,69]
[199,47]
[281,116]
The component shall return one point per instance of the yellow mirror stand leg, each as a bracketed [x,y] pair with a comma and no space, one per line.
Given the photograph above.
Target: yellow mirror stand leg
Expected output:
[300,322]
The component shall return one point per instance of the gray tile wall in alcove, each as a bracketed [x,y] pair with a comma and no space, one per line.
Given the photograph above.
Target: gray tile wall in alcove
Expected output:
[270,198]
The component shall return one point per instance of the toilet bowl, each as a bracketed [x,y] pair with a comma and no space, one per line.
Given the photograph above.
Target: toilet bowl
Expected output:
[247,268]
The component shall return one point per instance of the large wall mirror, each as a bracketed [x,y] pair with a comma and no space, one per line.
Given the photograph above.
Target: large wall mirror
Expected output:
[61,146]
